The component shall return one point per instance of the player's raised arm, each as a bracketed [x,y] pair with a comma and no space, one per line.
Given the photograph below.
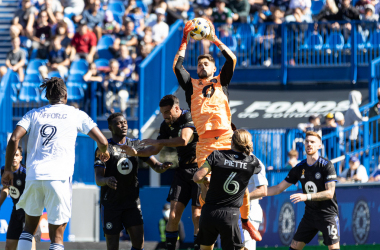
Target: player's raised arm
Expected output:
[182,75]
[101,142]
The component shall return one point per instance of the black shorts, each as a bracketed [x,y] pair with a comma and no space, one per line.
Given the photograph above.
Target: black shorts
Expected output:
[310,225]
[114,220]
[223,221]
[183,187]
[16,224]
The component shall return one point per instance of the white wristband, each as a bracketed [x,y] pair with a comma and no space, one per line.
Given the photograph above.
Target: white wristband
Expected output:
[308,197]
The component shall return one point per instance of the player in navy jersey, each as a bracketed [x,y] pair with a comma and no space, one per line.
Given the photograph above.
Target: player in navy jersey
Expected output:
[317,176]
[120,187]
[16,223]
[230,174]
[177,130]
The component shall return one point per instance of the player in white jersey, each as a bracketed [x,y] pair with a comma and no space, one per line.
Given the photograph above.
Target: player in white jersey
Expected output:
[257,187]
[52,133]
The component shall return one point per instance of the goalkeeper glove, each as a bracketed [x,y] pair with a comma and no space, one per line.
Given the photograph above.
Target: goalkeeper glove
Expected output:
[189,26]
[247,225]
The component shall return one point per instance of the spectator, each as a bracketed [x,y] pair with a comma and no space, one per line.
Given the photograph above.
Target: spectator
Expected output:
[299,17]
[283,5]
[125,61]
[128,37]
[15,60]
[314,124]
[157,4]
[94,17]
[375,176]
[160,30]
[70,28]
[62,32]
[177,9]
[162,229]
[52,6]
[130,6]
[369,14]
[347,12]
[73,7]
[353,114]
[277,17]
[360,6]
[137,17]
[23,20]
[328,11]
[241,9]
[110,26]
[42,32]
[115,88]
[330,121]
[146,43]
[57,60]
[83,43]
[304,5]
[93,75]
[339,118]
[355,173]
[222,14]
[292,159]
[375,111]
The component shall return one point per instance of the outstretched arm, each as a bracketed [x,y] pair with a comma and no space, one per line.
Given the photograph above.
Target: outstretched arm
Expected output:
[278,188]
[320,196]
[158,166]
[259,192]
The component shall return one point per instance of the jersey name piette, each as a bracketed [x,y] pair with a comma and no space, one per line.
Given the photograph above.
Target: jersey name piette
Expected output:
[235,164]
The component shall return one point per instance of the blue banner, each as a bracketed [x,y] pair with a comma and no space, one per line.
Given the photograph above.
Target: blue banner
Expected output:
[359,214]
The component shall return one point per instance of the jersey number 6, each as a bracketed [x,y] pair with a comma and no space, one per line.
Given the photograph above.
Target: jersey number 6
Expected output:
[228,182]
[48,131]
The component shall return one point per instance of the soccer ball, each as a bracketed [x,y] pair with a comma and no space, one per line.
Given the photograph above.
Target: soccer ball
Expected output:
[201,30]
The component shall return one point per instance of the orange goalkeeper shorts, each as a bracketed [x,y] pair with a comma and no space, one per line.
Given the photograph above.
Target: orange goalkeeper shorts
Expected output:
[205,146]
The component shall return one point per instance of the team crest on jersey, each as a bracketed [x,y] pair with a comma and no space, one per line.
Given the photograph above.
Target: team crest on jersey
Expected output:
[124,166]
[303,174]
[318,176]
[18,182]
[310,187]
[109,225]
[14,192]
[208,91]
[200,83]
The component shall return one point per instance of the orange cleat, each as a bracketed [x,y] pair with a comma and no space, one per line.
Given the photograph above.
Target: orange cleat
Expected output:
[255,235]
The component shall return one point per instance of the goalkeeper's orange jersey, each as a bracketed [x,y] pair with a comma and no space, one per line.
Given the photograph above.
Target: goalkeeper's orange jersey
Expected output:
[208,99]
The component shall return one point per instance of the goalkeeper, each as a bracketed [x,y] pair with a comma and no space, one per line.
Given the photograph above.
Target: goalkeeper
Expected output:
[207,98]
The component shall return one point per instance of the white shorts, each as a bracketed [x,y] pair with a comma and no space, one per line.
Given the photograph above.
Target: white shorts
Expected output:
[55,196]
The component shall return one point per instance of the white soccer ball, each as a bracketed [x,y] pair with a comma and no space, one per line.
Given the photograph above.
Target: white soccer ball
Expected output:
[201,30]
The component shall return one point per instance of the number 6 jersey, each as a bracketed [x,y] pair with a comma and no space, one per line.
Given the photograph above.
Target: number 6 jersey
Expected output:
[53,130]
[230,174]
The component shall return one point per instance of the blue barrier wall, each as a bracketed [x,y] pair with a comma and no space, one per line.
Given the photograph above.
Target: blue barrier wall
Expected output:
[359,213]
[84,159]
[5,114]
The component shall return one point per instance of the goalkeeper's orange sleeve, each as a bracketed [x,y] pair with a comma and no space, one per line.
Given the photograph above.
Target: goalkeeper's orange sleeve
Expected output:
[244,210]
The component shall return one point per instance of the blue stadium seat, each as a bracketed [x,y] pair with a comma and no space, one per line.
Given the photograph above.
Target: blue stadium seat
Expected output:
[74,91]
[43,96]
[313,42]
[34,65]
[29,93]
[54,74]
[33,55]
[105,54]
[105,41]
[33,78]
[335,41]
[15,80]
[14,93]
[101,63]
[79,67]
[316,6]
[75,78]
[116,7]
[118,18]
[143,7]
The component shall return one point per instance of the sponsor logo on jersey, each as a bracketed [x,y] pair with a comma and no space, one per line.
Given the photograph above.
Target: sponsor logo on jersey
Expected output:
[303,174]
[286,223]
[208,91]
[310,187]
[125,166]
[333,176]
[18,182]
[236,156]
[361,222]
[317,175]
[322,161]
[14,192]
[109,225]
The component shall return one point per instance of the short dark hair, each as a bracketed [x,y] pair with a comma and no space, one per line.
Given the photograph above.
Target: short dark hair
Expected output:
[113,116]
[206,56]
[55,88]
[19,149]
[169,100]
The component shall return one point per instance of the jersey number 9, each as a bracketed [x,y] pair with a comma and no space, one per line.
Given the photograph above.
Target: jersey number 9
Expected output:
[48,131]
